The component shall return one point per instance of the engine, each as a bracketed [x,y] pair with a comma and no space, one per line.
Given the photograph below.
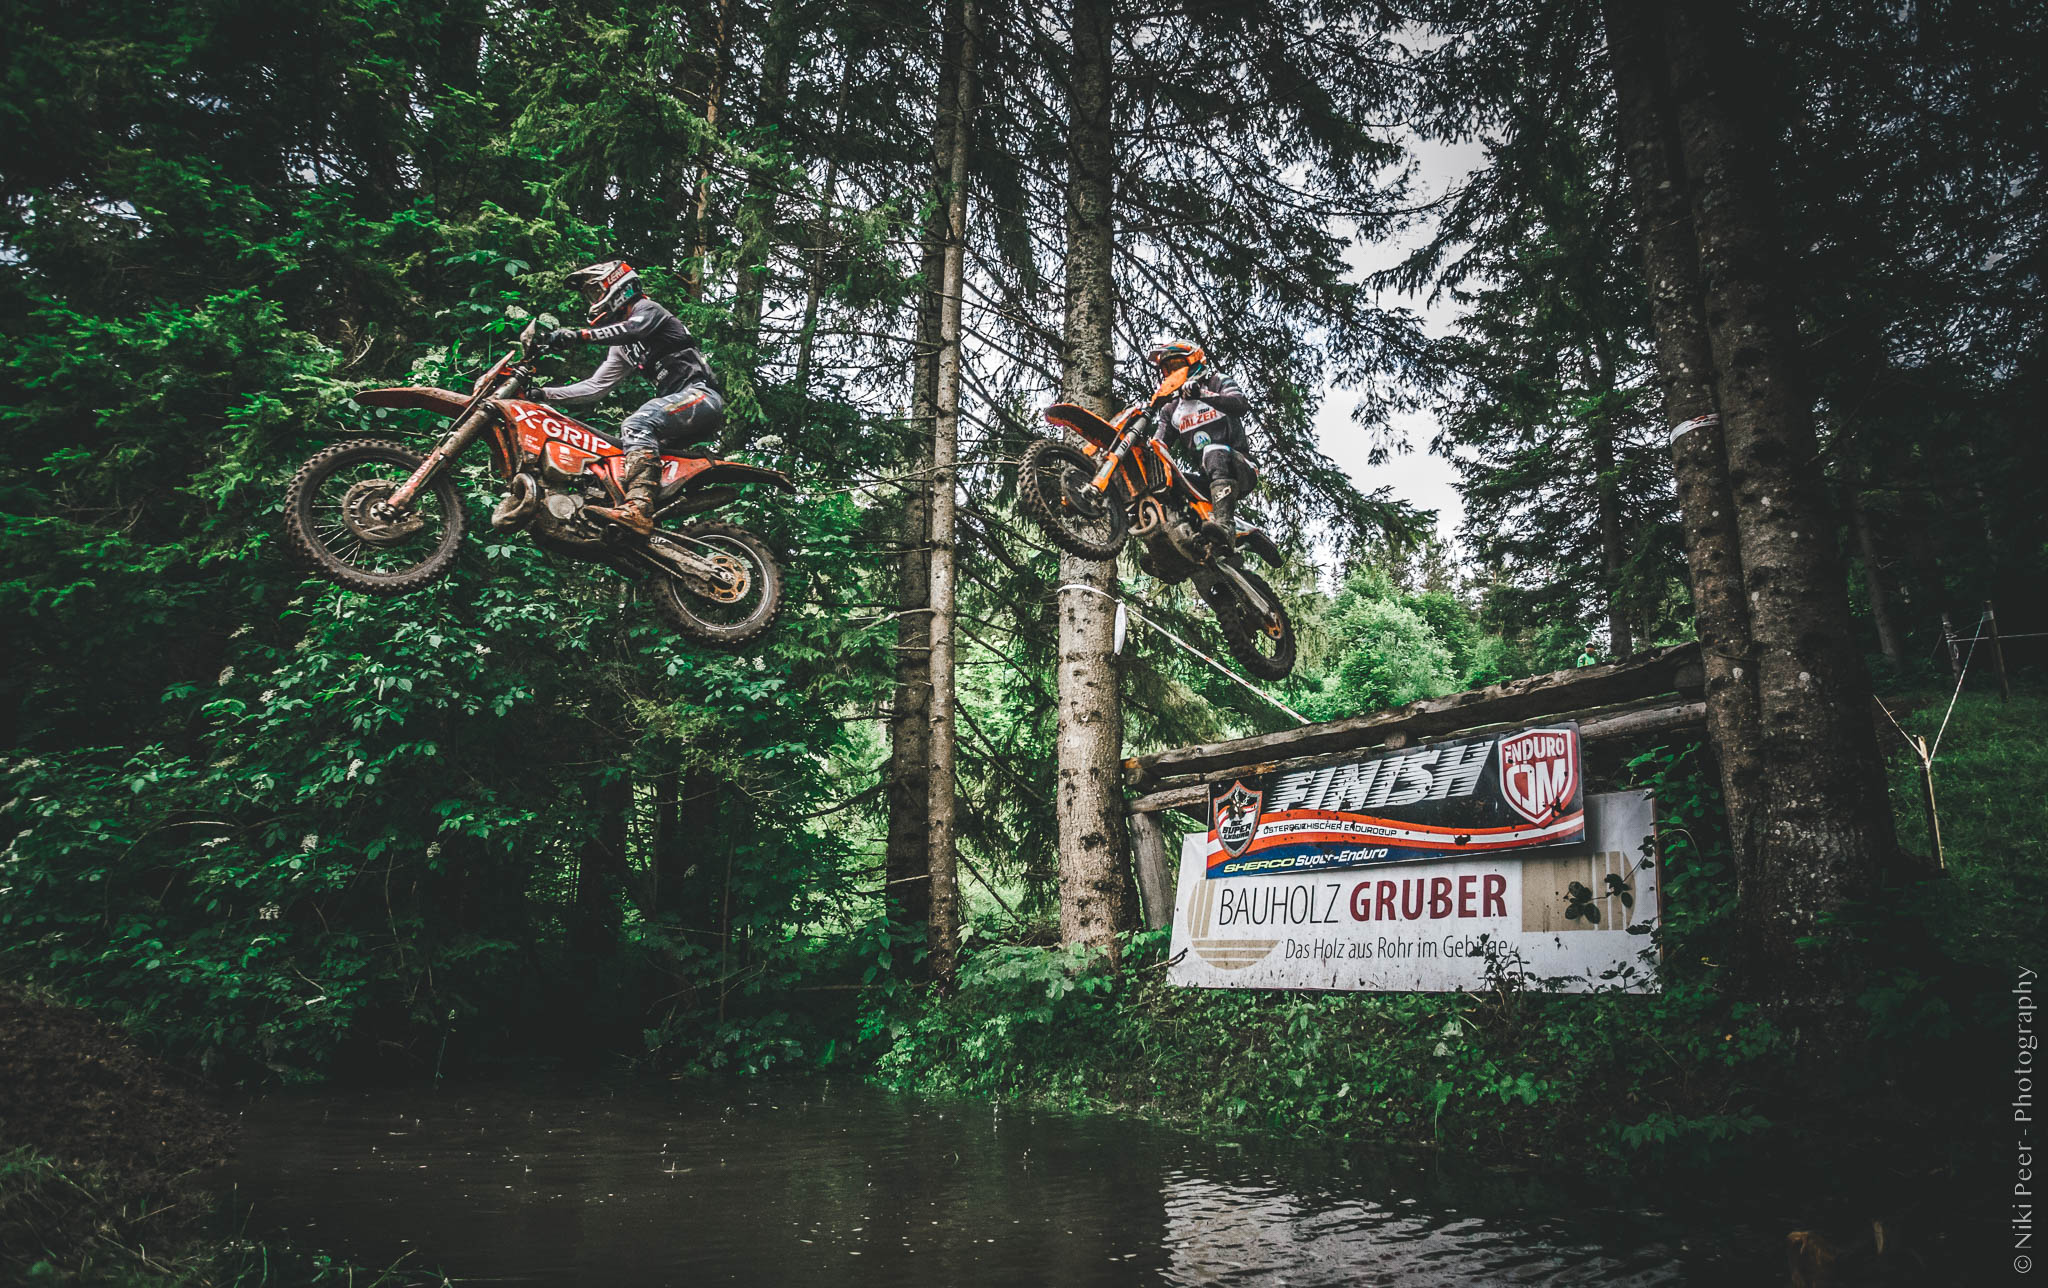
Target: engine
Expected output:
[554,511]
[1170,546]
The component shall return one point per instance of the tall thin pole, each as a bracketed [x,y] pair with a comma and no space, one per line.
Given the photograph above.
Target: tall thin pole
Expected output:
[1997,651]
[945,923]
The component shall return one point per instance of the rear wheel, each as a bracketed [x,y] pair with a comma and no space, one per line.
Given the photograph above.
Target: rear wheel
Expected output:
[337,523]
[1262,643]
[723,615]
[1056,485]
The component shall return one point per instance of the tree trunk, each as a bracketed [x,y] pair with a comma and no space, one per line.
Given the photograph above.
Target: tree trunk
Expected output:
[1647,125]
[1873,578]
[815,278]
[945,881]
[1607,500]
[1825,832]
[757,216]
[908,864]
[909,850]
[714,99]
[1097,897]
[669,851]
[594,924]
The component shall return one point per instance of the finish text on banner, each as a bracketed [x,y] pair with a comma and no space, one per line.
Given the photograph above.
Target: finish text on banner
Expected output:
[1511,791]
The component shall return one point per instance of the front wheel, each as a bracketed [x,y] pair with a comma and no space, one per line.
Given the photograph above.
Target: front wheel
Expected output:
[1056,483]
[723,615]
[336,521]
[1262,643]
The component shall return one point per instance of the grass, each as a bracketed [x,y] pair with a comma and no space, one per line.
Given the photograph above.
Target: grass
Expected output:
[1991,791]
[83,1227]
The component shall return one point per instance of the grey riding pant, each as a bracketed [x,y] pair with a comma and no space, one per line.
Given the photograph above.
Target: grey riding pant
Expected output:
[690,417]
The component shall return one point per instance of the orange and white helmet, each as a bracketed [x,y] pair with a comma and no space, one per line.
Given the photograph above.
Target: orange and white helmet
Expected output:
[1169,353]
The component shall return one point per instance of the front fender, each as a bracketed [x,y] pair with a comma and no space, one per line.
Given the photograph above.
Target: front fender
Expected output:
[1086,423]
[415,398]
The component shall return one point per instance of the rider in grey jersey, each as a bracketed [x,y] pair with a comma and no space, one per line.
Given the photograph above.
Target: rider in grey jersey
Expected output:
[682,418]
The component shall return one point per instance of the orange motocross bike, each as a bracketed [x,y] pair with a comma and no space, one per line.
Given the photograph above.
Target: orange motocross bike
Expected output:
[378,517]
[1122,483]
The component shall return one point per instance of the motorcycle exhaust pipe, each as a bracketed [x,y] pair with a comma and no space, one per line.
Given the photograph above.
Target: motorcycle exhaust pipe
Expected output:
[519,505]
[1151,515]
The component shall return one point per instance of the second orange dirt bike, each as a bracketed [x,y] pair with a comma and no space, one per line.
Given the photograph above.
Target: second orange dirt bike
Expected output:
[378,517]
[1123,483]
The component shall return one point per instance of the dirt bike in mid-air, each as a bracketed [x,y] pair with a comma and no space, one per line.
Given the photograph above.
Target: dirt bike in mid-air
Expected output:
[1123,482]
[378,517]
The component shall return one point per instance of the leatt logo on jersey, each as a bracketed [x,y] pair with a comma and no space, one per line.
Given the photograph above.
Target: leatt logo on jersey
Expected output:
[1539,772]
[1237,817]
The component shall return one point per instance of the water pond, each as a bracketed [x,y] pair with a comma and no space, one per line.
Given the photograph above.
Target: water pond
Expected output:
[573,1181]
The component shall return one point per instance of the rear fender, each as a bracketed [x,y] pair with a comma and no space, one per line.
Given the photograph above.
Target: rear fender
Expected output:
[703,478]
[734,473]
[1261,545]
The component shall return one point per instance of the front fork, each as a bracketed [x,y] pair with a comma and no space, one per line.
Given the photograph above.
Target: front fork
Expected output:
[1117,456]
[466,431]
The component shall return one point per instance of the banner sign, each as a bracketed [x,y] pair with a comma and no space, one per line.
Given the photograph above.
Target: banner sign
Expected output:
[1573,919]
[1503,792]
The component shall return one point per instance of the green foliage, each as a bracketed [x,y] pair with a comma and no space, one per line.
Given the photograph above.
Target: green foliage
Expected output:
[69,1225]
[1386,653]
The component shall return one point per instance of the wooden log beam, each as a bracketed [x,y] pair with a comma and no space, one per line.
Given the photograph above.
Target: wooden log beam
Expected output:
[1193,797]
[1156,875]
[1646,675]
[1191,791]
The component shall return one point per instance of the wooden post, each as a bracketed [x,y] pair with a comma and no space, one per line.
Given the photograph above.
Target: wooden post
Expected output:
[1155,877]
[1927,796]
[1997,652]
[1948,635]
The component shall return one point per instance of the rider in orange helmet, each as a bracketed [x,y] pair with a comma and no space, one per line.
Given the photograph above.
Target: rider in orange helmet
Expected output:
[1205,421]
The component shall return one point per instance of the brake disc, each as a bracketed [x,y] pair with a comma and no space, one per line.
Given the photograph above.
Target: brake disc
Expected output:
[1078,490]
[359,511]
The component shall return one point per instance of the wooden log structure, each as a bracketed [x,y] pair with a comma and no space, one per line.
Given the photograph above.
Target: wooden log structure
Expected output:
[1649,693]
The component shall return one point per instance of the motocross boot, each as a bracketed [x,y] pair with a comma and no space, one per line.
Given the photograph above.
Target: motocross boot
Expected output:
[1221,525]
[642,477]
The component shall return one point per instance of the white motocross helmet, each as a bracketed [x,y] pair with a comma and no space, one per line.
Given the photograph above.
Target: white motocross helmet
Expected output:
[609,289]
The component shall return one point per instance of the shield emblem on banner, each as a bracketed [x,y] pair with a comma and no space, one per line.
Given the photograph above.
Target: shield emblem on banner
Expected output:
[1237,817]
[1539,772]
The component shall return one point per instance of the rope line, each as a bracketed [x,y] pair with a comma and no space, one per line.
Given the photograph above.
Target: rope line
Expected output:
[1961,675]
[1229,674]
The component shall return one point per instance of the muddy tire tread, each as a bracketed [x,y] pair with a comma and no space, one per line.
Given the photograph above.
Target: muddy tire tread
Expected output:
[1242,634]
[307,553]
[666,608]
[1040,508]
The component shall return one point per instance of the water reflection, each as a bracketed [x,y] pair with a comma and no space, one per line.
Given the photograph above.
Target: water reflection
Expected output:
[632,1186]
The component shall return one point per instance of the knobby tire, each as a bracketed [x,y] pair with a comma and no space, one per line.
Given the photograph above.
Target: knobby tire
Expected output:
[1245,634]
[673,601]
[1050,512]
[302,538]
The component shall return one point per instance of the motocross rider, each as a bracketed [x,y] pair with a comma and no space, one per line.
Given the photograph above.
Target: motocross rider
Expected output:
[1204,419]
[689,405]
